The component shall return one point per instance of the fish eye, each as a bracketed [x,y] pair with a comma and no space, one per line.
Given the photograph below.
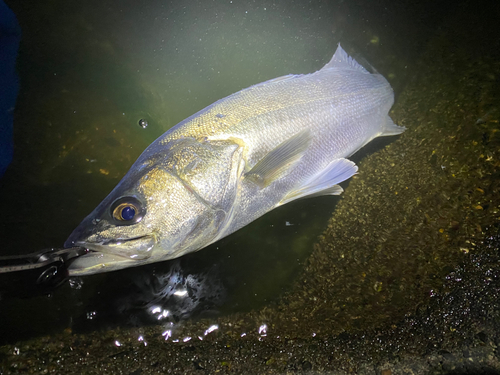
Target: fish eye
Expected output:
[127,210]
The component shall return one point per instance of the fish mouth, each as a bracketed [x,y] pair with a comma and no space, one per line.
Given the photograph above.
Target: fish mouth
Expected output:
[110,255]
[137,248]
[96,262]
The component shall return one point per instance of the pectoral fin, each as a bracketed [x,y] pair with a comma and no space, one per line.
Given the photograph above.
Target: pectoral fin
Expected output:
[276,162]
[324,183]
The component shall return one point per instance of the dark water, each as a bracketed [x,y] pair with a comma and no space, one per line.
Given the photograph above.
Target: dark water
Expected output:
[89,71]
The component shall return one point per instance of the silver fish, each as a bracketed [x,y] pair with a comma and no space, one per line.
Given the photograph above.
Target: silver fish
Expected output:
[235,160]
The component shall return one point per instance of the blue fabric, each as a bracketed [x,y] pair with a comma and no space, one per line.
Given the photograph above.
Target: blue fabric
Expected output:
[10,35]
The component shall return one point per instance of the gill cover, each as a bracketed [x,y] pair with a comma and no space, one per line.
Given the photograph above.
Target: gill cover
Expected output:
[173,200]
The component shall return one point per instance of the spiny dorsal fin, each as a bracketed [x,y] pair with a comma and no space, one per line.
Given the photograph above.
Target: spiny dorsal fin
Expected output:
[341,60]
[272,166]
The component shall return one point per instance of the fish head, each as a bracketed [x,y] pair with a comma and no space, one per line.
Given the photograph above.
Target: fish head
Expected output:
[168,204]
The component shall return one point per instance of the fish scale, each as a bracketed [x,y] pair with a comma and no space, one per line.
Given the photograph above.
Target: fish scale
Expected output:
[237,159]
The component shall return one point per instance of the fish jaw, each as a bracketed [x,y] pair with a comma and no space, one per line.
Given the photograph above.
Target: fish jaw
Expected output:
[108,253]
[136,248]
[99,234]
[112,255]
[97,262]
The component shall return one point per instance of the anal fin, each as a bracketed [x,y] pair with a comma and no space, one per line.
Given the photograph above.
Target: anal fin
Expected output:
[390,128]
[325,182]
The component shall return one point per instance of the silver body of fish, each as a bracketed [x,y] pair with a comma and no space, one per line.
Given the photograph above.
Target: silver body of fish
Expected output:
[235,160]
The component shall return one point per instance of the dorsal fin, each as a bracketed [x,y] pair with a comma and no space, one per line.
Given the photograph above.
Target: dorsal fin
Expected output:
[341,60]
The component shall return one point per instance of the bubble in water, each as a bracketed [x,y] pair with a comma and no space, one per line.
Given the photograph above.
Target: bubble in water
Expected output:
[75,283]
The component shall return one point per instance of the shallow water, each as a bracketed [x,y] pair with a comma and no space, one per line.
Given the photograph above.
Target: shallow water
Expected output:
[89,78]
[90,71]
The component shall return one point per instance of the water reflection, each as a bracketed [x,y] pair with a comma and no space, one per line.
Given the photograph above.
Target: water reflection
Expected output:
[163,294]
